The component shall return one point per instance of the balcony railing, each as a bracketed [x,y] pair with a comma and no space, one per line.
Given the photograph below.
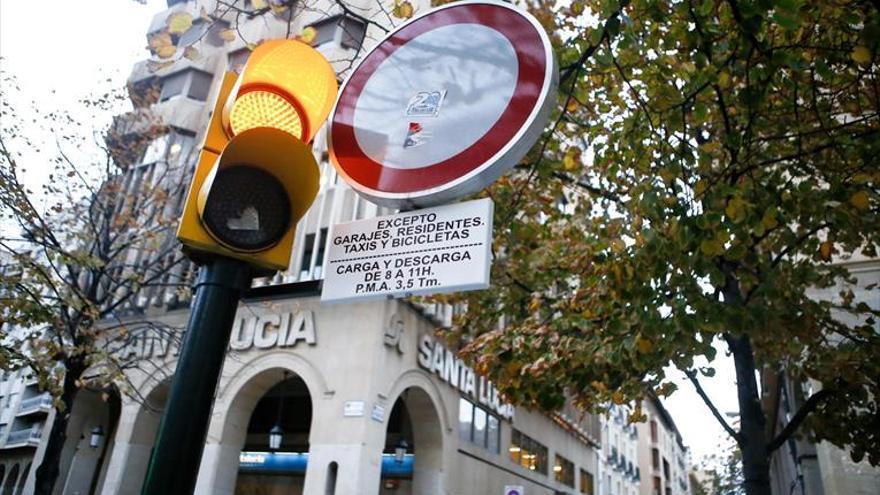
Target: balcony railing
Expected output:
[41,402]
[29,436]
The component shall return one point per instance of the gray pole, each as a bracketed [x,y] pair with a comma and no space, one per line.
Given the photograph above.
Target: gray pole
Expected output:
[177,452]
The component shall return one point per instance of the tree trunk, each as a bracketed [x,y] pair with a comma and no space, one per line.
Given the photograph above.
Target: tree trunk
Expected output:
[755,458]
[50,466]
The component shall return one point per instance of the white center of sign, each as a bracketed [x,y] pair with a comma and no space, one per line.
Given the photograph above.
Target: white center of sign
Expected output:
[466,107]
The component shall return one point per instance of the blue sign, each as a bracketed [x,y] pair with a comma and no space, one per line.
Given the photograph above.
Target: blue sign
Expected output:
[296,462]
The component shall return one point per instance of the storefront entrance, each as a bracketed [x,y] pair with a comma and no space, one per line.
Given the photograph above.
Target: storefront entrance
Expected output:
[412,459]
[274,457]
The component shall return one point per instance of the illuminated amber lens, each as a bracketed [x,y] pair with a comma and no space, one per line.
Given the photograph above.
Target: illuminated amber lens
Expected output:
[264,109]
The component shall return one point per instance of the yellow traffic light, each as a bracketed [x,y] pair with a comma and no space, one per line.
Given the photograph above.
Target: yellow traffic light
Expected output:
[280,88]
[256,175]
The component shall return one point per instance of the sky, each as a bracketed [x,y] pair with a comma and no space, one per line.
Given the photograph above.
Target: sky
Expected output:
[62,51]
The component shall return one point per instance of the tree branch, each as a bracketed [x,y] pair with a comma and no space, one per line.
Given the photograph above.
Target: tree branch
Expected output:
[692,376]
[809,406]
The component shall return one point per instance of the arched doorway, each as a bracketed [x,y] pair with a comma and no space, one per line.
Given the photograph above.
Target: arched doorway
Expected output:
[275,451]
[412,461]
[135,451]
[11,478]
[93,419]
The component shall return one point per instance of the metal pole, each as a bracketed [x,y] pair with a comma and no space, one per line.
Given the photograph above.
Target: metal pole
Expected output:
[177,452]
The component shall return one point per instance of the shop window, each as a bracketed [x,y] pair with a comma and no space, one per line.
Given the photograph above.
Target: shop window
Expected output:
[193,83]
[528,453]
[479,437]
[325,30]
[353,32]
[195,33]
[563,471]
[200,85]
[493,435]
[477,426]
[586,483]
[238,59]
[173,85]
[465,417]
[348,31]
[168,147]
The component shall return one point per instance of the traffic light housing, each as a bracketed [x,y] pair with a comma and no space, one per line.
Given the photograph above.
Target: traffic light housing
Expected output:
[256,175]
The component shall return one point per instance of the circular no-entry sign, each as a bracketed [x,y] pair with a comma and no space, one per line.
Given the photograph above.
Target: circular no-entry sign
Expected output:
[444,105]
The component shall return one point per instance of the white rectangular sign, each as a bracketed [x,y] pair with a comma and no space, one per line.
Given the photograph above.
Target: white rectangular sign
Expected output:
[442,249]
[353,408]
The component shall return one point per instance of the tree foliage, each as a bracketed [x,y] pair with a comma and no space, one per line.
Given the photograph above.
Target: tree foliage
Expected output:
[85,237]
[711,164]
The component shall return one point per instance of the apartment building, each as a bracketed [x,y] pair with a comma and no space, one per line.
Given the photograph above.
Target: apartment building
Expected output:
[664,461]
[619,472]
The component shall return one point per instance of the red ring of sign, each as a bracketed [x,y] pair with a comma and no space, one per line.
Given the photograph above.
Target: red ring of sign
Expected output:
[532,64]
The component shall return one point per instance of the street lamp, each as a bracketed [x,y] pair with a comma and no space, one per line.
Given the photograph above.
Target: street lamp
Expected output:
[96,437]
[400,450]
[276,434]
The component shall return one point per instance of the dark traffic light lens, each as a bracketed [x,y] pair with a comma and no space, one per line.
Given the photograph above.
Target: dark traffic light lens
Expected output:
[247,208]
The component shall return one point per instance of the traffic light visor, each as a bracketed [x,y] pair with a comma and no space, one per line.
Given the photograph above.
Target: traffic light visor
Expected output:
[265,181]
[285,84]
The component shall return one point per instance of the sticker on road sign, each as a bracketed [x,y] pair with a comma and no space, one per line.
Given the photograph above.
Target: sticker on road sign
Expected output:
[442,249]
[514,490]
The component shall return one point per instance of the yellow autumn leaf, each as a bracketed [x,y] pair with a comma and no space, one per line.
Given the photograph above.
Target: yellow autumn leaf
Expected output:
[860,201]
[166,51]
[643,345]
[769,219]
[572,106]
[159,40]
[724,79]
[156,66]
[258,4]
[736,210]
[617,246]
[711,247]
[179,22]
[403,10]
[308,35]
[227,35]
[191,53]
[861,54]
[825,250]
[617,397]
[534,304]
[571,161]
